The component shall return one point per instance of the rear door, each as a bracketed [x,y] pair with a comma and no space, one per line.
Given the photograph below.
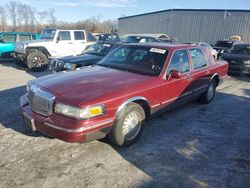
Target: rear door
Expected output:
[173,89]
[200,73]
[79,41]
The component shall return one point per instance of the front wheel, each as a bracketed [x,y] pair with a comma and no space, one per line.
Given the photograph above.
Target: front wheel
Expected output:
[37,61]
[208,95]
[129,125]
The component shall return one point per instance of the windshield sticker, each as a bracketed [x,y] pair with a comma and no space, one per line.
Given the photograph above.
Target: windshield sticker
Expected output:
[107,45]
[157,50]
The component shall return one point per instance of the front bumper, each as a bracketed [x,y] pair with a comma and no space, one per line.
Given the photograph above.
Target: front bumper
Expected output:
[64,128]
[18,56]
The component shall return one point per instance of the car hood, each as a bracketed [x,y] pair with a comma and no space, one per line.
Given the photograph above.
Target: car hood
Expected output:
[235,57]
[82,58]
[35,42]
[77,87]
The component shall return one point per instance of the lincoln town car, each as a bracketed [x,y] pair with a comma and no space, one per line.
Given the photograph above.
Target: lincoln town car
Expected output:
[116,96]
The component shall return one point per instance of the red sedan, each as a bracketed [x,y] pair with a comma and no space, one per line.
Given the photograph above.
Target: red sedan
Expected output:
[115,97]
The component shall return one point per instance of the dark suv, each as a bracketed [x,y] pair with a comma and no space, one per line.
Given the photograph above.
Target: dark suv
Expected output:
[222,46]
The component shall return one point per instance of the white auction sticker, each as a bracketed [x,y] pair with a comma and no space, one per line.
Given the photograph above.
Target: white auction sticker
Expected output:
[158,50]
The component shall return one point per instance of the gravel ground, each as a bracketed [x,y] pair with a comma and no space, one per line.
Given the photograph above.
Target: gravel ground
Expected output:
[192,146]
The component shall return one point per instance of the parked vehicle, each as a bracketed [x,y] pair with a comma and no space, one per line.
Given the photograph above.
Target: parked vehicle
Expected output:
[92,55]
[54,43]
[7,40]
[143,38]
[123,90]
[238,59]
[107,37]
[206,45]
[222,46]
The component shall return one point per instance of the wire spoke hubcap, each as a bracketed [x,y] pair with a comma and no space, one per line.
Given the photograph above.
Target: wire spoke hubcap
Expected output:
[131,125]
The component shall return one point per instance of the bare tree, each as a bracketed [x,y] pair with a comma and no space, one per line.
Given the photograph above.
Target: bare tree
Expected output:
[3,18]
[52,17]
[12,7]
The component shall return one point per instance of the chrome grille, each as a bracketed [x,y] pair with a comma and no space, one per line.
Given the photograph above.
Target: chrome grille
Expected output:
[55,65]
[40,101]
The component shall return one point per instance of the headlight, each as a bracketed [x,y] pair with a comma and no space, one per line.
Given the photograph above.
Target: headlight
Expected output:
[247,62]
[79,113]
[69,66]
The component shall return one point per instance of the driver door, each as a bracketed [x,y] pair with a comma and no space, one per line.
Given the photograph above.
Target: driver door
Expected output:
[64,45]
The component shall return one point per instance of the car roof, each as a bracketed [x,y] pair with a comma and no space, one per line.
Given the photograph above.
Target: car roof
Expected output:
[29,33]
[161,45]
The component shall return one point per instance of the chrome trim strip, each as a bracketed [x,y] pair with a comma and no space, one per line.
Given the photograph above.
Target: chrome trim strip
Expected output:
[129,101]
[110,120]
[156,105]
[200,88]
[170,100]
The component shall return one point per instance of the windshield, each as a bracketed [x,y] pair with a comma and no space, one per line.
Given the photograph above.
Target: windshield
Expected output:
[226,44]
[240,49]
[137,39]
[99,49]
[48,34]
[139,59]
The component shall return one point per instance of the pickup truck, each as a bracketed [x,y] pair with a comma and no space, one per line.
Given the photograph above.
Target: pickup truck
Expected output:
[8,39]
[54,43]
[116,96]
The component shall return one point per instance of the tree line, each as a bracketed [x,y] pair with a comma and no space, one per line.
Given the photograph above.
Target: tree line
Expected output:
[17,16]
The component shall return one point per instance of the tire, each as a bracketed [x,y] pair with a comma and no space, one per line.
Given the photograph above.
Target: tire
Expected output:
[37,61]
[208,95]
[120,134]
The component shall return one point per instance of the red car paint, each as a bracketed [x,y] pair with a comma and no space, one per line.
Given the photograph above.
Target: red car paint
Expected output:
[114,88]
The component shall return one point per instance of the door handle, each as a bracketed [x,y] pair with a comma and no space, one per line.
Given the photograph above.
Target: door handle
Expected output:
[189,77]
[70,43]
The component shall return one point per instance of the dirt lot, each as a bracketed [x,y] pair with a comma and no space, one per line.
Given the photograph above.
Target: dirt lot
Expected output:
[193,146]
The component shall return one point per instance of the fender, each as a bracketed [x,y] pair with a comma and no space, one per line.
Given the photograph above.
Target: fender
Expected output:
[129,101]
[37,48]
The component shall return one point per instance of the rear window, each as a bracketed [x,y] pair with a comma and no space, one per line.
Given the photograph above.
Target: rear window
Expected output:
[198,58]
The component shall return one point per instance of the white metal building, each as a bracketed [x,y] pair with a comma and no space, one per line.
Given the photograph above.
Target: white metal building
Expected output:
[190,24]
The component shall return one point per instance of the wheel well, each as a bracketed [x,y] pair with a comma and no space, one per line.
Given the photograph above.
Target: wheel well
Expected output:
[216,78]
[144,104]
[42,49]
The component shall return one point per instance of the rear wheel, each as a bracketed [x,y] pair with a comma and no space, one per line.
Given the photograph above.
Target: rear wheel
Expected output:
[37,61]
[208,95]
[129,125]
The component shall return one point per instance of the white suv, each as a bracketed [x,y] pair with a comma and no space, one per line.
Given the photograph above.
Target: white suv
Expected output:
[53,43]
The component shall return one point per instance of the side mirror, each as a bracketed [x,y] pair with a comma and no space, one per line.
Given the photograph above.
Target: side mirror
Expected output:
[174,74]
[58,39]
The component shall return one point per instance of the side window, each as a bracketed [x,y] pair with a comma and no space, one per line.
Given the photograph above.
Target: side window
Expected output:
[179,62]
[33,37]
[9,38]
[91,38]
[198,58]
[79,35]
[24,37]
[64,35]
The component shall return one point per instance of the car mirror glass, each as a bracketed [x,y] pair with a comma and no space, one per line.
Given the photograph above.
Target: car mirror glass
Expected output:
[58,39]
[175,74]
